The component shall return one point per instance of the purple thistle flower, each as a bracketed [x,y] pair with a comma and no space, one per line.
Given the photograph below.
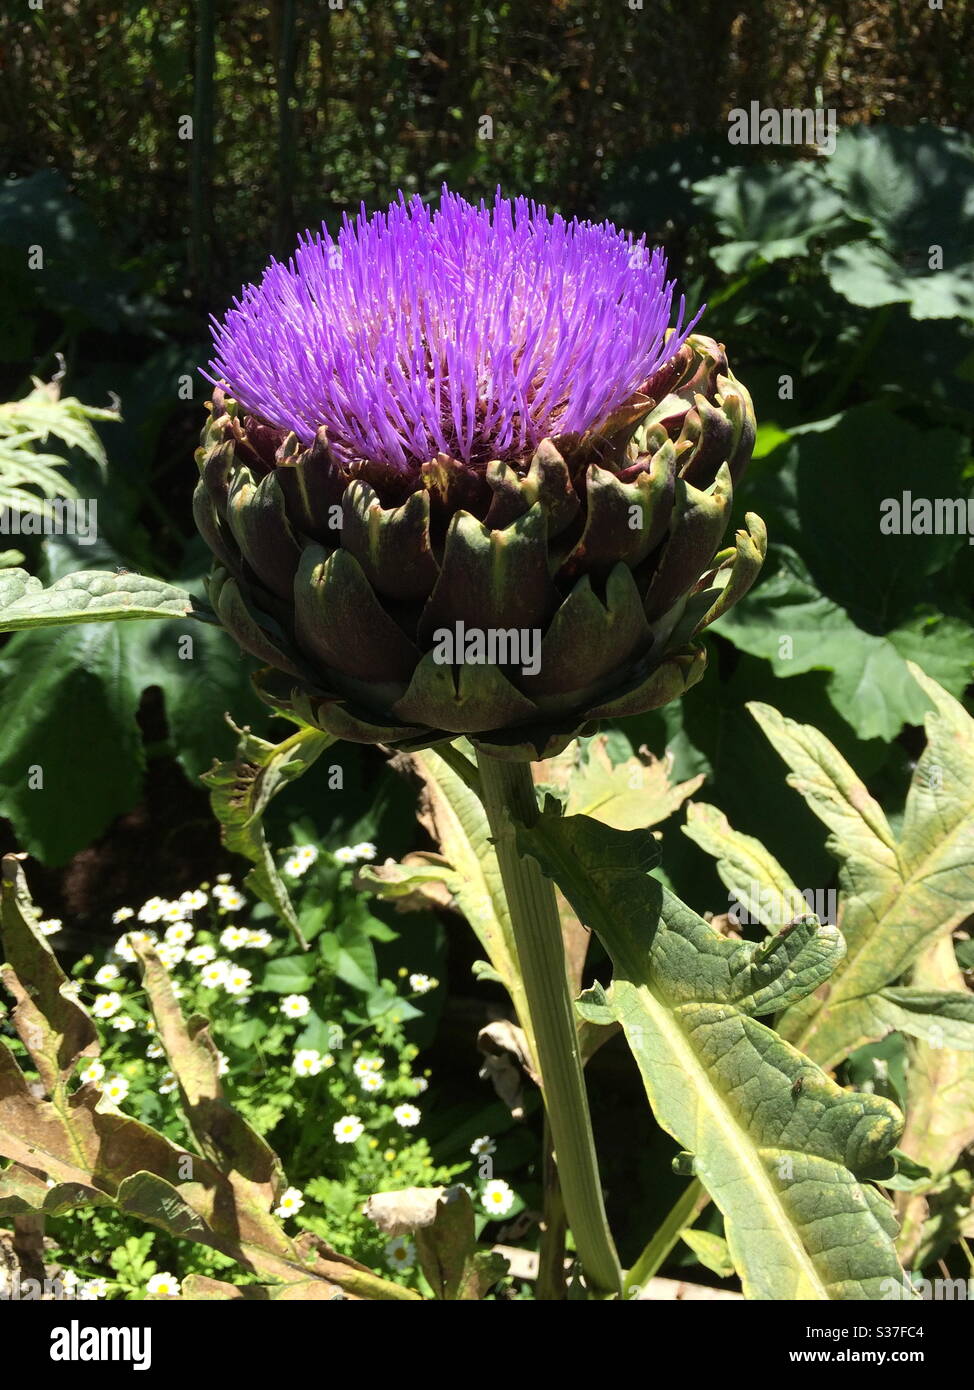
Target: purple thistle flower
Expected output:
[471,331]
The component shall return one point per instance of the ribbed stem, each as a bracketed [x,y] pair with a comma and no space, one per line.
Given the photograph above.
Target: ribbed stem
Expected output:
[508,794]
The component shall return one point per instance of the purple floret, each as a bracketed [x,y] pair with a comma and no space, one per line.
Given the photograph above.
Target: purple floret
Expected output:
[472,331]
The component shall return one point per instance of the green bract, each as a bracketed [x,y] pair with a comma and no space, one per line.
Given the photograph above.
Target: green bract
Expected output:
[604,548]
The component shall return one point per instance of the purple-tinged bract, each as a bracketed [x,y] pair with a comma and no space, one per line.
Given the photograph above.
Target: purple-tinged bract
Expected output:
[470,331]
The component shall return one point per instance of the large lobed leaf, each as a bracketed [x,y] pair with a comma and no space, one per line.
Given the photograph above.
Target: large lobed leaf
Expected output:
[782,1150]
[897,894]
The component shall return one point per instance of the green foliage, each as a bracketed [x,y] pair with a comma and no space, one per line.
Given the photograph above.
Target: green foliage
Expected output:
[240,793]
[898,894]
[218,1109]
[780,1148]
[29,477]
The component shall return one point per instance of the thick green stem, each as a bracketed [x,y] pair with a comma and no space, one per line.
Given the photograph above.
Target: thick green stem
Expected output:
[508,795]
[550,1286]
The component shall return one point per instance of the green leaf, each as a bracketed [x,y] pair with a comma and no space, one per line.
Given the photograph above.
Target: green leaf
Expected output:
[711,1250]
[203,676]
[826,492]
[753,877]
[789,623]
[89,596]
[897,896]
[768,213]
[287,975]
[240,791]
[940,1101]
[70,702]
[913,187]
[71,756]
[245,1034]
[628,794]
[355,964]
[937,1016]
[29,423]
[780,1159]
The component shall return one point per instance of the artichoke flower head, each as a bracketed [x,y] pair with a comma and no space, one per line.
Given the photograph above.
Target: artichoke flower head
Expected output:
[461,476]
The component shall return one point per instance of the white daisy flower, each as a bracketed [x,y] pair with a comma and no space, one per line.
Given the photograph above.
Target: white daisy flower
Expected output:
[345,855]
[483,1145]
[307,1062]
[223,878]
[154,1051]
[123,1023]
[400,1253]
[214,974]
[93,1072]
[347,1129]
[164,1283]
[173,912]
[179,934]
[201,955]
[295,1006]
[421,1084]
[122,914]
[105,974]
[168,1084]
[50,926]
[232,938]
[124,944]
[106,1005]
[406,1115]
[371,1082]
[229,899]
[194,900]
[362,1066]
[115,1089]
[259,939]
[94,1288]
[365,849]
[327,1061]
[169,954]
[237,980]
[422,984]
[300,860]
[497,1197]
[152,910]
[290,1204]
